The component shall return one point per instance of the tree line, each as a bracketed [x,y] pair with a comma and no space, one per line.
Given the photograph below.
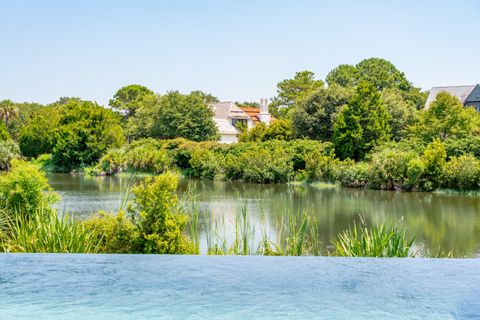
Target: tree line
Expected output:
[363,110]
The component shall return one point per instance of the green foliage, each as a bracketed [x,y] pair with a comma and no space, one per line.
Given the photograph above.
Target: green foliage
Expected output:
[352,175]
[86,130]
[159,221]
[113,233]
[382,74]
[9,150]
[319,165]
[425,173]
[389,168]
[279,129]
[259,164]
[315,117]
[255,134]
[403,113]
[146,155]
[375,241]
[76,132]
[361,125]
[39,135]
[25,189]
[8,110]
[291,92]
[446,118]
[462,173]
[175,115]
[205,163]
[4,135]
[43,231]
[130,98]
[24,114]
[467,145]
[344,75]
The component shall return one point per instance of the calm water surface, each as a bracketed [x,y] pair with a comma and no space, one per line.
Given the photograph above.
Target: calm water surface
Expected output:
[119,287]
[439,221]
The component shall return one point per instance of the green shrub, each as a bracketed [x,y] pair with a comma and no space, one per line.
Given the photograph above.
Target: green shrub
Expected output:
[425,173]
[112,162]
[159,221]
[4,135]
[113,233]
[25,189]
[458,147]
[204,163]
[462,173]
[257,164]
[318,166]
[375,241]
[389,168]
[352,175]
[9,150]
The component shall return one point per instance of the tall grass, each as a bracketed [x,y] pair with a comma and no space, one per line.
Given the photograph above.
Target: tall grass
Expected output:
[373,241]
[44,231]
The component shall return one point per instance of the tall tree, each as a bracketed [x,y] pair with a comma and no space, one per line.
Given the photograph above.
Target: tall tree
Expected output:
[403,113]
[176,115]
[206,97]
[362,124]
[314,118]
[382,74]
[345,75]
[446,118]
[130,98]
[291,92]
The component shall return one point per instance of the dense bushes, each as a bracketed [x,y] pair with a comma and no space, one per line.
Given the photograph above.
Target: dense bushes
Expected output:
[155,223]
[9,150]
[404,165]
[462,173]
[25,189]
[266,162]
[76,132]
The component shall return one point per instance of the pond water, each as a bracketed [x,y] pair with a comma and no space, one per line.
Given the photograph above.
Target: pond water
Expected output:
[125,287]
[438,221]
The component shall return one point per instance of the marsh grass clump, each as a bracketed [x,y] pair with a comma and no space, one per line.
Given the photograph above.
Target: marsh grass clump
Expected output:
[373,241]
[45,231]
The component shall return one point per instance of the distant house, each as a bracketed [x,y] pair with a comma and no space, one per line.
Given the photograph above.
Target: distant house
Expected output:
[468,95]
[228,116]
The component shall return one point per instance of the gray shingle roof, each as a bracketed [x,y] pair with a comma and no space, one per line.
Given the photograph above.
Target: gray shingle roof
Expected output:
[461,92]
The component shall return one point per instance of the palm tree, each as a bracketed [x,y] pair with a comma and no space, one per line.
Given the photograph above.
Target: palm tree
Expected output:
[7,110]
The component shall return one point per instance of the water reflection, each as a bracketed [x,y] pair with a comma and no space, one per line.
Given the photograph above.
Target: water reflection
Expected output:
[438,221]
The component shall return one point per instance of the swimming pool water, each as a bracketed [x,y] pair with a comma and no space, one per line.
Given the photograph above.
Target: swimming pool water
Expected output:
[34,286]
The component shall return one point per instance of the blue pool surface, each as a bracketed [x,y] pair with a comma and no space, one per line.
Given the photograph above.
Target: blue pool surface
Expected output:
[73,287]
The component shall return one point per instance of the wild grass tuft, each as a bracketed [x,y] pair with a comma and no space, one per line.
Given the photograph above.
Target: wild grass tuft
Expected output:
[43,231]
[373,241]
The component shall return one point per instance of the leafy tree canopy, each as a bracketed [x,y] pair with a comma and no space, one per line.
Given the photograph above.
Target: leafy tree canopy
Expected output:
[175,115]
[446,118]
[130,98]
[345,75]
[292,91]
[314,118]
[76,132]
[362,124]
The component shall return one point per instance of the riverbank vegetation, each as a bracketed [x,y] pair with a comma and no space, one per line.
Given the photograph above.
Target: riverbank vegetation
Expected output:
[155,220]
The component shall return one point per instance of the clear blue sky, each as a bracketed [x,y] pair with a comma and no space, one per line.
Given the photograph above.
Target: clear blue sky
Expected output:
[237,50]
